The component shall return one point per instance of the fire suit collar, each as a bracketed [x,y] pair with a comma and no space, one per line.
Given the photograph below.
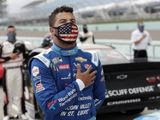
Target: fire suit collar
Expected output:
[64,52]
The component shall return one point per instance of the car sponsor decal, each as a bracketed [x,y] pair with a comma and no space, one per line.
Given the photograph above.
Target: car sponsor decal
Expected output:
[130,91]
[64,66]
[39,87]
[153,79]
[80,59]
[35,71]
[122,76]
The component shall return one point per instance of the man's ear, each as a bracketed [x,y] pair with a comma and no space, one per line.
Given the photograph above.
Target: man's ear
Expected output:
[53,30]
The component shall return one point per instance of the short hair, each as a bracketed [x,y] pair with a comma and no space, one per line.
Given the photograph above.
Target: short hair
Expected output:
[58,10]
[11,26]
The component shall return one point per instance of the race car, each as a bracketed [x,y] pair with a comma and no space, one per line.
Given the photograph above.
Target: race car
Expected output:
[131,85]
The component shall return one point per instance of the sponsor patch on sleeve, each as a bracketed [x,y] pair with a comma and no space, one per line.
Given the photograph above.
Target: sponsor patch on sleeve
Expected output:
[51,104]
[39,87]
[35,71]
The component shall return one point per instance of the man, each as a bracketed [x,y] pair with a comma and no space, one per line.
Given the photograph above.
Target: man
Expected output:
[13,80]
[140,39]
[47,42]
[86,36]
[68,82]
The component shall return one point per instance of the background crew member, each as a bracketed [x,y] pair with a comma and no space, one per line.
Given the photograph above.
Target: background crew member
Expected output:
[14,92]
[68,82]
[86,36]
[140,39]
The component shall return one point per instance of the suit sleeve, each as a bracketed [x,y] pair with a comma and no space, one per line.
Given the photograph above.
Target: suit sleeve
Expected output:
[99,87]
[49,98]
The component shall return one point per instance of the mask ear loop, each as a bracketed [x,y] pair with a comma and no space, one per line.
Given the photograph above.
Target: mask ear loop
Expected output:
[56,32]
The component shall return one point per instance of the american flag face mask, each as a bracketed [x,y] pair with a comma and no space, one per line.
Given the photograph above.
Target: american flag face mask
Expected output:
[68,33]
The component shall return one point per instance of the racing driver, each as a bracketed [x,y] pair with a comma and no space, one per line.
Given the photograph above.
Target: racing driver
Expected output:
[68,82]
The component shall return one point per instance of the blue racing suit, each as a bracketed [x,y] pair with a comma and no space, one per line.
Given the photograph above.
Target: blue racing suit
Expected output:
[53,75]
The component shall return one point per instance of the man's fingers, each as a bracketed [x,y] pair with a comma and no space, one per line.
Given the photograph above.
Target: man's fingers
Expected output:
[88,69]
[92,78]
[92,81]
[93,73]
[78,68]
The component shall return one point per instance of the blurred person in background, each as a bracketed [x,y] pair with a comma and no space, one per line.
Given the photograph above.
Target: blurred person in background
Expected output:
[47,41]
[46,44]
[68,82]
[140,39]
[86,36]
[14,101]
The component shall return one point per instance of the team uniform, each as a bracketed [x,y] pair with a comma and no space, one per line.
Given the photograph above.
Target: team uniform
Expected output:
[140,50]
[59,94]
[13,81]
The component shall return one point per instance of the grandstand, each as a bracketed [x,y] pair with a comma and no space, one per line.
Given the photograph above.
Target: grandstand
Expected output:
[87,11]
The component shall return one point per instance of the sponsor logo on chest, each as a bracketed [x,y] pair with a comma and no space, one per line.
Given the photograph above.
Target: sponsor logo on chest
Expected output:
[80,59]
[64,66]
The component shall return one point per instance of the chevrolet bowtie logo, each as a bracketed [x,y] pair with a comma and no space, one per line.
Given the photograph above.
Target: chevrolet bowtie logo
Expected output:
[121,77]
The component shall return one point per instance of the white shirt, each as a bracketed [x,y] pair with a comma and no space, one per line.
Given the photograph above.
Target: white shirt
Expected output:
[89,36]
[136,35]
